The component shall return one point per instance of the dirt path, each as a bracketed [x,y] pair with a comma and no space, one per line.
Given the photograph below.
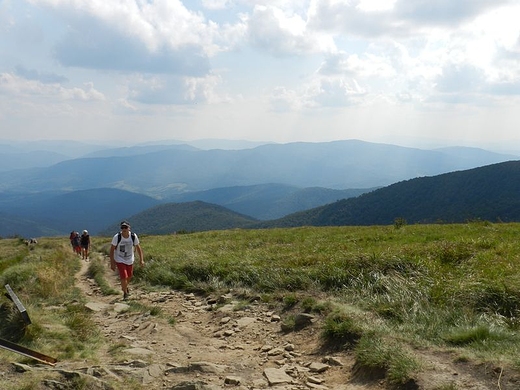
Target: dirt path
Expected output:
[220,347]
[226,347]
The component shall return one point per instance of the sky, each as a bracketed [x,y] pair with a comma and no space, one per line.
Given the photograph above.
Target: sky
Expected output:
[408,72]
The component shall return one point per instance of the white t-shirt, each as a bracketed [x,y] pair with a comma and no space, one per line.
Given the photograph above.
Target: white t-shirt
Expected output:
[124,251]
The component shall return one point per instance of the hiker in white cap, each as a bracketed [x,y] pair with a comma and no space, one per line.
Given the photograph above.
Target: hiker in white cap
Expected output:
[122,255]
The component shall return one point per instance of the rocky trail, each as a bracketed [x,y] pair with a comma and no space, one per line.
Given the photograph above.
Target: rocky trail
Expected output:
[220,343]
[211,345]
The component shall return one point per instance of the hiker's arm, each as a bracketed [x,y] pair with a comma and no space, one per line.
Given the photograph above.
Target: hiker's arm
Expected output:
[140,253]
[112,260]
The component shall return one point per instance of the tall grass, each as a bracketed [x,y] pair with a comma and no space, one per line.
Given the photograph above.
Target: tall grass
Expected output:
[423,282]
[43,277]
[451,286]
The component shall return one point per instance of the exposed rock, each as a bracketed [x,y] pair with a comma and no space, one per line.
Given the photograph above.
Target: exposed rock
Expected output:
[316,386]
[302,320]
[276,376]
[97,306]
[332,361]
[275,352]
[313,379]
[318,367]
[138,351]
[245,321]
[193,386]
[232,380]
[208,367]
[289,347]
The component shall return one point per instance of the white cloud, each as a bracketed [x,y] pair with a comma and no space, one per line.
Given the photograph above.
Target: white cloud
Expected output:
[156,36]
[317,92]
[446,13]
[260,64]
[44,77]
[275,31]
[161,90]
[17,87]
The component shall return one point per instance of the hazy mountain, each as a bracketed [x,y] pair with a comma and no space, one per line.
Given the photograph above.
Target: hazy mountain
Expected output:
[183,217]
[211,143]
[94,192]
[69,148]
[334,165]
[136,150]
[12,226]
[12,160]
[488,193]
[485,193]
[94,209]
[60,213]
[268,201]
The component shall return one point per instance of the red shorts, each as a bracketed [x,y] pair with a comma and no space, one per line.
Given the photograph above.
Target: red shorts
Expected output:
[125,271]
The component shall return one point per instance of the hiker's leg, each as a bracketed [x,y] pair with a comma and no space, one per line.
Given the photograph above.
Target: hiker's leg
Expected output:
[129,274]
[125,274]
[124,284]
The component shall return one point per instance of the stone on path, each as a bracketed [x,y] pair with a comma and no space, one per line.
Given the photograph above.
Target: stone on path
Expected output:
[276,376]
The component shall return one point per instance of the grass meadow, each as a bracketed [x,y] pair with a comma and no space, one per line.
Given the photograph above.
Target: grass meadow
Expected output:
[382,291]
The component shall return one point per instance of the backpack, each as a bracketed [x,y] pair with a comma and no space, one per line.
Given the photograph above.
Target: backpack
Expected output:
[119,237]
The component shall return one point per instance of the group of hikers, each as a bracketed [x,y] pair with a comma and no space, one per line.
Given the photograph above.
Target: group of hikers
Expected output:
[80,244]
[122,250]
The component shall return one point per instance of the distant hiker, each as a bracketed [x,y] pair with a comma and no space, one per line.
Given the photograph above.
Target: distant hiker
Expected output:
[122,255]
[76,243]
[71,238]
[85,244]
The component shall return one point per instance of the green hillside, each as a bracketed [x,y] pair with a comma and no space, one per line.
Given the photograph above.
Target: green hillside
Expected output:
[184,217]
[268,201]
[490,193]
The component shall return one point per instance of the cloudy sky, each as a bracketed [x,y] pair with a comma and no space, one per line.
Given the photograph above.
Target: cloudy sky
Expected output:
[395,71]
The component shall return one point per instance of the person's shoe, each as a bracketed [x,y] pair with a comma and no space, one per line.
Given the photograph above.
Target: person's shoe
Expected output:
[125,296]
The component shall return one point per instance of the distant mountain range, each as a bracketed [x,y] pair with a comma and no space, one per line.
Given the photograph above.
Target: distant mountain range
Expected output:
[264,183]
[489,193]
[178,169]
[267,201]
[51,214]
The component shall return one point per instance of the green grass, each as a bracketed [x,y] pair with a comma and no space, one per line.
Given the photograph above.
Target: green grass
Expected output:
[96,271]
[44,277]
[423,282]
[375,353]
[455,287]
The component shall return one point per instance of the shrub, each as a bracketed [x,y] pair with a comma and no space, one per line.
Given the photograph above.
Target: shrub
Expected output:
[454,253]
[373,353]
[480,335]
[340,330]
[96,270]
[289,301]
